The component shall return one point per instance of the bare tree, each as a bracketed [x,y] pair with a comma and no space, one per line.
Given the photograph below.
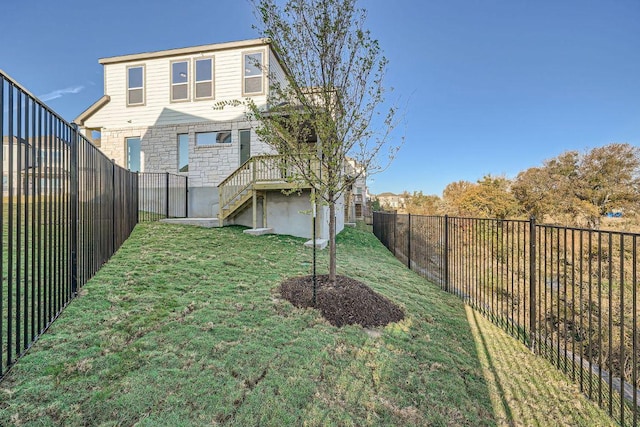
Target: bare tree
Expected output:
[330,99]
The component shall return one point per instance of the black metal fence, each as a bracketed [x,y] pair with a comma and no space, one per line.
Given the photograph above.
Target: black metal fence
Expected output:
[570,294]
[162,195]
[66,208]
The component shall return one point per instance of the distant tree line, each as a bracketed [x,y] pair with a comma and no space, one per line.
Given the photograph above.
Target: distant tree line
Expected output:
[573,189]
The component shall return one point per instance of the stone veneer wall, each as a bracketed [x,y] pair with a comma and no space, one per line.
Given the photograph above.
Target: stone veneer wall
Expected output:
[208,165]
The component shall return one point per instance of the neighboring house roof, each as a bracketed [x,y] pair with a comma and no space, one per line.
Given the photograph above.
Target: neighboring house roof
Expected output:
[92,109]
[184,51]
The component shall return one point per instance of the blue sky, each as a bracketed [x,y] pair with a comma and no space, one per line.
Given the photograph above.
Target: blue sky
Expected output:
[487,86]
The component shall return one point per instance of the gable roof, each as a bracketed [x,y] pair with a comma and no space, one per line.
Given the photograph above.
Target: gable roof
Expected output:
[92,110]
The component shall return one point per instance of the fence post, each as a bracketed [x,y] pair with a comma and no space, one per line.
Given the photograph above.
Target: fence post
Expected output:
[409,243]
[136,199]
[532,281]
[395,222]
[113,207]
[167,194]
[446,253]
[74,208]
[186,197]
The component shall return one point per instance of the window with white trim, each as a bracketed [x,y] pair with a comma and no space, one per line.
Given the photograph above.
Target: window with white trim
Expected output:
[135,85]
[180,81]
[252,74]
[203,78]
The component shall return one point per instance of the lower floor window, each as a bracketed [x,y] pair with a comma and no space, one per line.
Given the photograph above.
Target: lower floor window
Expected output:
[211,138]
[133,154]
[183,152]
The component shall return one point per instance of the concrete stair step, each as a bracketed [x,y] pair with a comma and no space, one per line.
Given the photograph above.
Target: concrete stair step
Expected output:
[320,243]
[258,231]
[200,222]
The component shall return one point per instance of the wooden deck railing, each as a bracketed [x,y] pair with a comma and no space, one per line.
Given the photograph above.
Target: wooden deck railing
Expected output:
[235,185]
[264,169]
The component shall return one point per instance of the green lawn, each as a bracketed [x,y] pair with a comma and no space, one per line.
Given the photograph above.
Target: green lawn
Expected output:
[184,327]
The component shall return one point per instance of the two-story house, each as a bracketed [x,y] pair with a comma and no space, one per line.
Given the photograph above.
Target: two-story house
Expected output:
[33,165]
[158,114]
[357,195]
[391,201]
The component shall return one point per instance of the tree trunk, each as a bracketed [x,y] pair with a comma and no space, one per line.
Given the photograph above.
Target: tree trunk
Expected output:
[332,243]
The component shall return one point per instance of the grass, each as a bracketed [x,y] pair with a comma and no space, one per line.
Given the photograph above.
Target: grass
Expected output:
[184,327]
[524,388]
[584,290]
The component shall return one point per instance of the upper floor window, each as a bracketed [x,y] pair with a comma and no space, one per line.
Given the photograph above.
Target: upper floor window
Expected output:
[180,81]
[135,85]
[252,74]
[204,78]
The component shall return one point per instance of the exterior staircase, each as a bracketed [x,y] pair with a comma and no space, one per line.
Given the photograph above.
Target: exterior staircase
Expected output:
[255,176]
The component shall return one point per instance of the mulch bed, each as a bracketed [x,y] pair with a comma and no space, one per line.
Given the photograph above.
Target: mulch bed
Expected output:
[347,302]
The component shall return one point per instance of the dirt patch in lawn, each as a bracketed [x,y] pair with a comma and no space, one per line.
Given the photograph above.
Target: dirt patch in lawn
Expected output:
[347,302]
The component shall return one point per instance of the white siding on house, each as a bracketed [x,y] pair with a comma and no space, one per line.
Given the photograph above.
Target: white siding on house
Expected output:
[275,69]
[158,108]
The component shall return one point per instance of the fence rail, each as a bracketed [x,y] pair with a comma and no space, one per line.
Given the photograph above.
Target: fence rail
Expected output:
[570,294]
[65,209]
